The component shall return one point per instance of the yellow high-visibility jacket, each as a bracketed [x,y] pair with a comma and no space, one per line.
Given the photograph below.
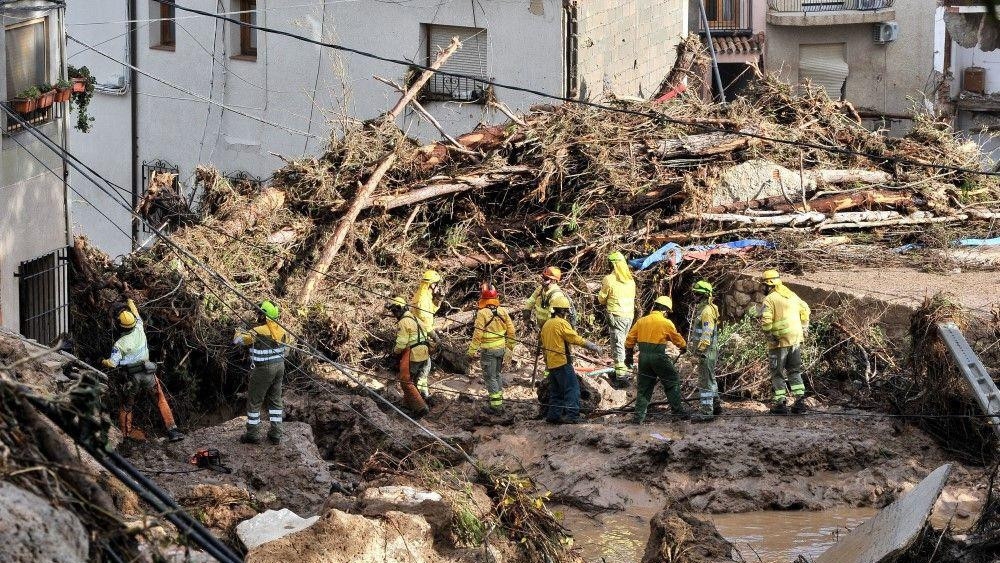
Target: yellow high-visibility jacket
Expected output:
[654,331]
[704,326]
[494,329]
[268,342]
[618,296]
[410,335]
[540,300]
[784,317]
[557,335]
[423,308]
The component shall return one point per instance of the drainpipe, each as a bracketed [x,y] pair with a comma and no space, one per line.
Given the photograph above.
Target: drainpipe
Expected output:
[711,50]
[61,16]
[572,87]
[134,110]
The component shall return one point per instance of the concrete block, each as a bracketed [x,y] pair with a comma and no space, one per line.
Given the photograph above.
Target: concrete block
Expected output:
[271,525]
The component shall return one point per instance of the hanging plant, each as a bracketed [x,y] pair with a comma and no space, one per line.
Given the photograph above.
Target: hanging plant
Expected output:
[81,95]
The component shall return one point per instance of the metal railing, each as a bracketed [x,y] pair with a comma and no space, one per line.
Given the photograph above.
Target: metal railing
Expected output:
[36,117]
[827,5]
[157,216]
[453,88]
[727,17]
[43,294]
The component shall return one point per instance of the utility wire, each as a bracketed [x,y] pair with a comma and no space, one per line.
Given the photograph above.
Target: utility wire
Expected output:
[605,107]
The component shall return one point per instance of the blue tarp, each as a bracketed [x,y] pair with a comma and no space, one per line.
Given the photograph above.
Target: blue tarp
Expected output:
[978,242]
[675,253]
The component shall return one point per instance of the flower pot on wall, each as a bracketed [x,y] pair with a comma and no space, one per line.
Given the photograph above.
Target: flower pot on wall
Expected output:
[63,94]
[79,84]
[24,105]
[47,99]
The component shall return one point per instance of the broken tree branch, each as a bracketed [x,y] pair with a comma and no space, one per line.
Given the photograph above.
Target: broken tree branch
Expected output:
[464,184]
[418,84]
[336,241]
[427,115]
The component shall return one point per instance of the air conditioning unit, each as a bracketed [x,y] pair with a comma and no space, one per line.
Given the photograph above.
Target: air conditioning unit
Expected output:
[886,32]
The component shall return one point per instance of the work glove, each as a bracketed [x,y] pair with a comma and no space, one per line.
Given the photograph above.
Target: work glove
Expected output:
[107,363]
[592,347]
[629,357]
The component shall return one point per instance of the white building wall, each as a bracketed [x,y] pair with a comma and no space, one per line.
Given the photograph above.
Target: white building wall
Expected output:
[32,199]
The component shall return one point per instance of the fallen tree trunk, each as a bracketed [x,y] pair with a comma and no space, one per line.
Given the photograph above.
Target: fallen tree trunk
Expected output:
[336,241]
[892,222]
[417,85]
[703,144]
[487,179]
[840,202]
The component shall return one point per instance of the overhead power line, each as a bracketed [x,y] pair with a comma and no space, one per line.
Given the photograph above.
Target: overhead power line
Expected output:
[647,114]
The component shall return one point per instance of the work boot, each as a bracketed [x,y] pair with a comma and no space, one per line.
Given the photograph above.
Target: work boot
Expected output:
[637,420]
[569,420]
[780,408]
[716,406]
[799,406]
[422,413]
[174,435]
[274,435]
[682,414]
[702,417]
[250,436]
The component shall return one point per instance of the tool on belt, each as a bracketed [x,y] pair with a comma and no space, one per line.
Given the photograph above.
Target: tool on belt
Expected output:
[209,459]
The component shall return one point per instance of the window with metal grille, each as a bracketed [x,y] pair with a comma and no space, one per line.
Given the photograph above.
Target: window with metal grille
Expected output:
[162,30]
[470,60]
[157,216]
[43,293]
[245,38]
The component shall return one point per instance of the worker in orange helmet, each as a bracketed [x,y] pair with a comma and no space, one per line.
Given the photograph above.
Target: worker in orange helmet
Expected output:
[539,305]
[493,339]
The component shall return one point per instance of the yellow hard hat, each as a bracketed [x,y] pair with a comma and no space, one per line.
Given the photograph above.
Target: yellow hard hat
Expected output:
[126,319]
[395,302]
[431,276]
[665,301]
[552,273]
[771,277]
[616,257]
[559,301]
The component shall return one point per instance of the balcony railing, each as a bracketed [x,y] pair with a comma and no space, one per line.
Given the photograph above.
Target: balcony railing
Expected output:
[36,117]
[453,88]
[827,5]
[727,17]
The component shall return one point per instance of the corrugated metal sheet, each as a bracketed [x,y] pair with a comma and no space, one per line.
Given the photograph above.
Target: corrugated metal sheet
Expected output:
[826,66]
[470,59]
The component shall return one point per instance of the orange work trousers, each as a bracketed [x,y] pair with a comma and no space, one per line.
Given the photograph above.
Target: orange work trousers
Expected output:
[145,385]
[411,396]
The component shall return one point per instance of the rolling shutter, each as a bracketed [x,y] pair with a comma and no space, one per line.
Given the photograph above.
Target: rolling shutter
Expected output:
[469,60]
[825,66]
[27,64]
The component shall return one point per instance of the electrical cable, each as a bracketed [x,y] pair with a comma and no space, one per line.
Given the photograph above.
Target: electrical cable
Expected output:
[605,107]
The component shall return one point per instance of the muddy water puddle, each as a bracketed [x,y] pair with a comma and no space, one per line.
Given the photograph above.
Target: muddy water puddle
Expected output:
[771,536]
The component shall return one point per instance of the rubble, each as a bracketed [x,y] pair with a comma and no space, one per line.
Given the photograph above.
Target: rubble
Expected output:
[34,531]
[682,538]
[271,525]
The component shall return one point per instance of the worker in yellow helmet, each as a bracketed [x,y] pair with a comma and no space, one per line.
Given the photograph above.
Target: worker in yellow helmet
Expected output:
[131,354]
[617,295]
[412,348]
[493,340]
[557,338]
[268,343]
[427,301]
[703,343]
[539,305]
[651,334]
[785,319]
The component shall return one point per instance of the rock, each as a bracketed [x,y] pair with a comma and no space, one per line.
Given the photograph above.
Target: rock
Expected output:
[34,531]
[339,537]
[440,509]
[291,474]
[742,299]
[220,507]
[754,179]
[681,537]
[271,525]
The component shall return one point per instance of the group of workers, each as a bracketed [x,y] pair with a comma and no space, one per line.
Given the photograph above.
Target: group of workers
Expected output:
[783,317]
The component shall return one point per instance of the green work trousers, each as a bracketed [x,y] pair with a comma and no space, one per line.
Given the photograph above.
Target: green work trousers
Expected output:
[264,390]
[491,360]
[653,367]
[786,366]
[708,387]
[618,328]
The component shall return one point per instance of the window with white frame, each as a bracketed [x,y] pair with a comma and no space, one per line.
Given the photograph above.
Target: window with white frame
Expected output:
[162,27]
[243,37]
[27,56]
[470,61]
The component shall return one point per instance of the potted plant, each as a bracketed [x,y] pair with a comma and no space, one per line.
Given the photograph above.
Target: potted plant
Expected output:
[80,77]
[83,92]
[64,89]
[48,96]
[27,101]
